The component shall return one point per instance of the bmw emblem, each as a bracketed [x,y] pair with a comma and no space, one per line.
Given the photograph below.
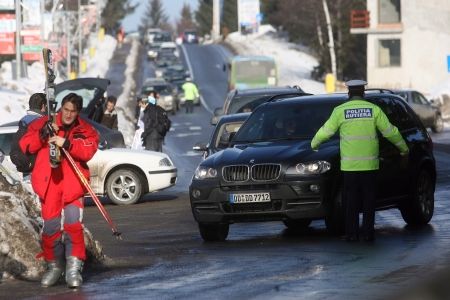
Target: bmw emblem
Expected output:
[252,161]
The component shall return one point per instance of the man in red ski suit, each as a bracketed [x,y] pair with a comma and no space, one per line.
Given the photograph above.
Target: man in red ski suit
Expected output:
[60,190]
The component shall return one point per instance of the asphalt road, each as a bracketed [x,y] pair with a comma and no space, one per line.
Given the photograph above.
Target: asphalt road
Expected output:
[162,255]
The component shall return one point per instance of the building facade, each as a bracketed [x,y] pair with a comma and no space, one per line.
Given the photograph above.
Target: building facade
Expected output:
[408,43]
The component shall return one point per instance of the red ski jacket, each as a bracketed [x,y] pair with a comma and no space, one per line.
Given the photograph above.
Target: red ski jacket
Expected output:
[83,140]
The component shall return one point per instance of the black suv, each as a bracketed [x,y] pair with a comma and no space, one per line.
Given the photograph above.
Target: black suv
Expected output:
[271,173]
[246,100]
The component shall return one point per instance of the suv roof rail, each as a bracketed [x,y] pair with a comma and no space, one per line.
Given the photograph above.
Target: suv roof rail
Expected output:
[289,95]
[380,90]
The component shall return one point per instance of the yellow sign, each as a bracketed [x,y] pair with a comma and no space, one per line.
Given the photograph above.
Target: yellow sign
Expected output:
[330,83]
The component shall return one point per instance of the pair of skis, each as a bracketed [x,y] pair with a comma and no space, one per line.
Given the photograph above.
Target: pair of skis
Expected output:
[55,154]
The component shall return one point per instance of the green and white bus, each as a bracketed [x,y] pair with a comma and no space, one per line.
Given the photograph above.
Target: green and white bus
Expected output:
[252,72]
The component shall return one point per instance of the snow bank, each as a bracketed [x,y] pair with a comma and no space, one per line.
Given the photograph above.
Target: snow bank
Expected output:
[294,65]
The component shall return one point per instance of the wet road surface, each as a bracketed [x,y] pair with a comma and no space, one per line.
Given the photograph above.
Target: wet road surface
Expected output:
[163,256]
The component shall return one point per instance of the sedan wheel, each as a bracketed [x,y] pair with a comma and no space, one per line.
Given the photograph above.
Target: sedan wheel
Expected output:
[420,207]
[124,187]
[438,124]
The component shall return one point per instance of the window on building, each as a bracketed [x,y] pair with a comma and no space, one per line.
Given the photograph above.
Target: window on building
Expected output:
[389,53]
[389,11]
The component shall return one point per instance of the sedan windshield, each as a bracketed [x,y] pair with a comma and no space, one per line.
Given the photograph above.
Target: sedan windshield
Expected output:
[285,121]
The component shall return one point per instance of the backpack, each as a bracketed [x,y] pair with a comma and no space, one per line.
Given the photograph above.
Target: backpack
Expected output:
[24,162]
[164,123]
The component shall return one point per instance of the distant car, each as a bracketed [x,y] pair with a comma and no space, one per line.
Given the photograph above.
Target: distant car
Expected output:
[430,115]
[224,131]
[169,47]
[124,175]
[175,72]
[166,100]
[152,52]
[270,172]
[247,100]
[190,37]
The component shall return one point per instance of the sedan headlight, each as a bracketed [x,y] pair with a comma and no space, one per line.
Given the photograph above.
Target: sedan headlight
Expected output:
[310,168]
[165,162]
[204,173]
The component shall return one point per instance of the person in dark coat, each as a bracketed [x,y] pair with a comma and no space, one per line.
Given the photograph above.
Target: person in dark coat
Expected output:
[156,125]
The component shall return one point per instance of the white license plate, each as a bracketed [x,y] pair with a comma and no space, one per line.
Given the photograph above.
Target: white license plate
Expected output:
[249,198]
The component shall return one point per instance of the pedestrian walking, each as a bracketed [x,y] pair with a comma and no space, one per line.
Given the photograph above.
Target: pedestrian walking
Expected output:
[109,117]
[60,190]
[156,125]
[190,94]
[357,121]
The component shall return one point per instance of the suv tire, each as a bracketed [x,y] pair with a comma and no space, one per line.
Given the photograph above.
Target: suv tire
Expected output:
[335,220]
[420,206]
[214,232]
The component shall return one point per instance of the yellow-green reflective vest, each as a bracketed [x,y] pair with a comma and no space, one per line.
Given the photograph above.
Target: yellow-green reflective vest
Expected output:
[190,91]
[357,121]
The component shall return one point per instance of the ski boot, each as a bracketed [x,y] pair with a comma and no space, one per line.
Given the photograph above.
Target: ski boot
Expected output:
[74,266]
[55,269]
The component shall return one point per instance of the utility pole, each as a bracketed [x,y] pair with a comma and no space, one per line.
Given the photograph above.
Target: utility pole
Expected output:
[330,38]
[216,20]
[18,44]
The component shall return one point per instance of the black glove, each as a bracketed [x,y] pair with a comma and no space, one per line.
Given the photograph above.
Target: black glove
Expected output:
[45,131]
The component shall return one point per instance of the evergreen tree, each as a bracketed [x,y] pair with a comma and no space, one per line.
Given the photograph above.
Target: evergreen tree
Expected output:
[229,20]
[186,21]
[155,16]
[114,12]
[204,16]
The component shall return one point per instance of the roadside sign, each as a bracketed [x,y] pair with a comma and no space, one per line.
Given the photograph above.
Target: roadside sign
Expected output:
[31,48]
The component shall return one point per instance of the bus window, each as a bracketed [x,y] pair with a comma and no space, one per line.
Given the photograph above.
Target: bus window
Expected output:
[252,72]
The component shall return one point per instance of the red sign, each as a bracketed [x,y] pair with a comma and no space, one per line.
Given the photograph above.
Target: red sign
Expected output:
[31,37]
[7,43]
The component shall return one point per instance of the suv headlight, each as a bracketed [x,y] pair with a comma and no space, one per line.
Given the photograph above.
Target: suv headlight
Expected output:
[309,168]
[204,173]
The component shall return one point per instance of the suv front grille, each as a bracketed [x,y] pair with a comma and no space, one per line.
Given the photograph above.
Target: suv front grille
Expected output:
[235,173]
[261,172]
[265,172]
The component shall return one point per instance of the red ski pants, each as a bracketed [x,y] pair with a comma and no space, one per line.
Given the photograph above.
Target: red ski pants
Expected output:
[62,234]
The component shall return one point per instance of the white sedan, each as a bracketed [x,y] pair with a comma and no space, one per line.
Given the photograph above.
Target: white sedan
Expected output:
[124,175]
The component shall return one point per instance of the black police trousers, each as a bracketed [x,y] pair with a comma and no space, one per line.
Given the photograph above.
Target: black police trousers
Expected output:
[359,193]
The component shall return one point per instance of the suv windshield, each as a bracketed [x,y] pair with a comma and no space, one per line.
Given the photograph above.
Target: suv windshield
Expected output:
[284,121]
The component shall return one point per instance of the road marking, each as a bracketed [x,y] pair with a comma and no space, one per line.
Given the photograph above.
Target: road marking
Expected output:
[187,134]
[195,128]
[192,153]
[202,101]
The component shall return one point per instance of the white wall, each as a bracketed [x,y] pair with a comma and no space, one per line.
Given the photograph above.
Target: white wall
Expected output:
[425,45]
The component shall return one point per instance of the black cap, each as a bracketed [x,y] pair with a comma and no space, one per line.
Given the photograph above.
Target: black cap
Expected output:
[356,83]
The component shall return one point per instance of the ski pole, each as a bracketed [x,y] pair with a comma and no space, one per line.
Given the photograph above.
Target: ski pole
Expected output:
[102,209]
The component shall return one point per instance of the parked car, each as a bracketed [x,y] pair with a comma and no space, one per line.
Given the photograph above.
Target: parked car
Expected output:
[164,89]
[124,175]
[220,139]
[270,171]
[247,100]
[429,114]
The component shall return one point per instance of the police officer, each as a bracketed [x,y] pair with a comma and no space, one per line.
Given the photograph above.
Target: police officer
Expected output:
[357,121]
[190,94]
